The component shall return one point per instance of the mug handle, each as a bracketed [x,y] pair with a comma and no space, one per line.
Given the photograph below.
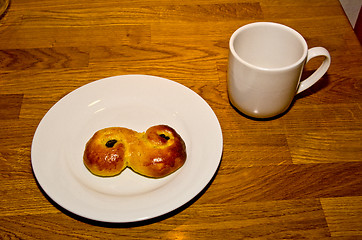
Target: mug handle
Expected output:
[312,79]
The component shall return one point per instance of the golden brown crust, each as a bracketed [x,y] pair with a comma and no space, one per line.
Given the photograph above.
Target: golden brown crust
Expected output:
[103,160]
[163,152]
[156,153]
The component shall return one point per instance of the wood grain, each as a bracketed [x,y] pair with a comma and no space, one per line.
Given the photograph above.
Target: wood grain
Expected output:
[43,58]
[10,105]
[286,181]
[297,176]
[343,215]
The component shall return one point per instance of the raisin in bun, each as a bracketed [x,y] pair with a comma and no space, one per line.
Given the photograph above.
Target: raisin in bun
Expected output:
[105,152]
[162,152]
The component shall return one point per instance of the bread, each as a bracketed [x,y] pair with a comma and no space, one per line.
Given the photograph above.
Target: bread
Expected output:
[105,152]
[155,153]
[162,151]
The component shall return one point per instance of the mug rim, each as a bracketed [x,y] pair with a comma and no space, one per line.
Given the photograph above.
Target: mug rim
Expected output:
[297,34]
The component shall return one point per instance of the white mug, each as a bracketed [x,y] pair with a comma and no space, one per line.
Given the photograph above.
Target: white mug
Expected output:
[266,62]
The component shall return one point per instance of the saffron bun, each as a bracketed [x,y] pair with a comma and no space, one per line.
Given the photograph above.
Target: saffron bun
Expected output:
[162,152]
[155,153]
[105,152]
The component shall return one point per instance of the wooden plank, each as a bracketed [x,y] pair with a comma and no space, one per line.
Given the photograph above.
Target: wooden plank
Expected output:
[283,182]
[344,216]
[274,220]
[322,147]
[10,106]
[71,36]
[43,58]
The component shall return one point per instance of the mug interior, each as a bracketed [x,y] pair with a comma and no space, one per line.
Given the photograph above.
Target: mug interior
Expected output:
[268,45]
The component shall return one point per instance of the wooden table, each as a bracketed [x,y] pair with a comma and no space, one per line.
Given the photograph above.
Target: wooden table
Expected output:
[298,176]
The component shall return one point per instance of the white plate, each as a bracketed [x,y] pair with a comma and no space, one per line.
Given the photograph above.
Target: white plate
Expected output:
[136,102]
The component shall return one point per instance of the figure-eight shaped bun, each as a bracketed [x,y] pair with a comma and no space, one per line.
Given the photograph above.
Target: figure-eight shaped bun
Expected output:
[156,153]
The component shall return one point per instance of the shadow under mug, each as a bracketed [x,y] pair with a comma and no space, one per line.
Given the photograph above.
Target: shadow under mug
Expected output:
[3,6]
[265,65]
